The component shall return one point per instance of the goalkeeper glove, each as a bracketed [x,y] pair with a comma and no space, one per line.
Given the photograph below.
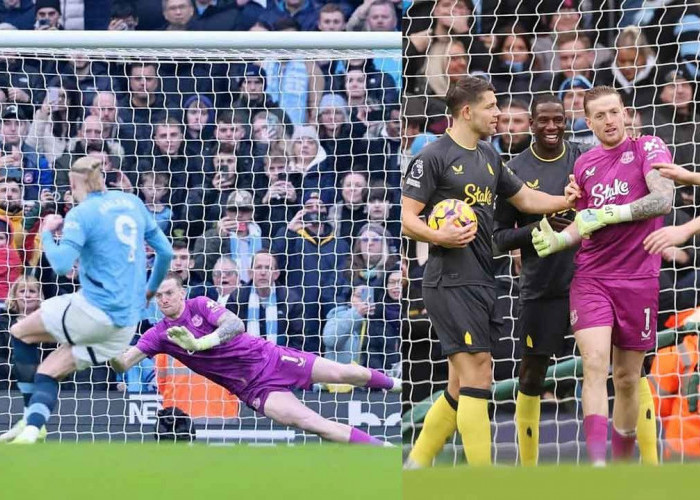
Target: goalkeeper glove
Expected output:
[547,241]
[184,338]
[590,220]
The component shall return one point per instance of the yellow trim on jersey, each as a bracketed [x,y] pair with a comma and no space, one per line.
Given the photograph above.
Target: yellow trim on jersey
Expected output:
[563,152]
[449,132]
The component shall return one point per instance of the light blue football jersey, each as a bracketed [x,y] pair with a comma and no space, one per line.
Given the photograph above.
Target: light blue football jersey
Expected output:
[109,229]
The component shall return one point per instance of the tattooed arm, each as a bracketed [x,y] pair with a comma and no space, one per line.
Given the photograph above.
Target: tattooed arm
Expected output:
[229,325]
[658,202]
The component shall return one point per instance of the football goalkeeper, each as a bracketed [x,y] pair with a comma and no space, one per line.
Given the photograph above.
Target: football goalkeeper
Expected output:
[615,290]
[209,340]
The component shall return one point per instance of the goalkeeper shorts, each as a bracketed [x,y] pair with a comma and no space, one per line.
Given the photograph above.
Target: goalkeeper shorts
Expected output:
[71,319]
[462,316]
[629,306]
[543,327]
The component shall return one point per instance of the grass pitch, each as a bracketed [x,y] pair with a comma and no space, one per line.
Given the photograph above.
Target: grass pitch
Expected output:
[105,471]
[560,482]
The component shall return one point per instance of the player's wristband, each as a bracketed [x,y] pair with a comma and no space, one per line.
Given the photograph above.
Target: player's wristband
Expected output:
[208,341]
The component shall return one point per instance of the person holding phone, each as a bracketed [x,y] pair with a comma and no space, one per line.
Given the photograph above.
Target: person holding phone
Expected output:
[48,15]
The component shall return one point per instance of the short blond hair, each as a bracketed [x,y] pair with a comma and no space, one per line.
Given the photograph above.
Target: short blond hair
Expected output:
[91,168]
[11,301]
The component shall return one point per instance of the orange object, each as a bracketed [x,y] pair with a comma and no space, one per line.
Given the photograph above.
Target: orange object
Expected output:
[192,393]
[674,379]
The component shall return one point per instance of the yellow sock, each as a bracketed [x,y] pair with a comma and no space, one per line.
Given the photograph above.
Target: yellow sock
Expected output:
[439,424]
[646,425]
[474,425]
[527,422]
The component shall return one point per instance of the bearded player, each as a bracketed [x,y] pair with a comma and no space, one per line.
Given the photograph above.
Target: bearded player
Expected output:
[459,283]
[209,340]
[543,314]
[615,290]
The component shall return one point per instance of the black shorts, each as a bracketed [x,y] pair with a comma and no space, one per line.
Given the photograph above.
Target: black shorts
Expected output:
[462,316]
[543,326]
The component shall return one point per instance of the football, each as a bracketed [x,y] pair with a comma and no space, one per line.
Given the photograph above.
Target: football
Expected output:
[448,208]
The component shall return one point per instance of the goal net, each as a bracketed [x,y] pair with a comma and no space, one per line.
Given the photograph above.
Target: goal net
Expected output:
[255,153]
[646,50]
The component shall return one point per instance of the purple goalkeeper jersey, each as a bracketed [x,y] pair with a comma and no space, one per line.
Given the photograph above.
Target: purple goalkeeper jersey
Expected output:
[617,177]
[233,365]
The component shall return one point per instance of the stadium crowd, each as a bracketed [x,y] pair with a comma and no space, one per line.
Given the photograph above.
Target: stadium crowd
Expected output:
[277,180]
[562,47]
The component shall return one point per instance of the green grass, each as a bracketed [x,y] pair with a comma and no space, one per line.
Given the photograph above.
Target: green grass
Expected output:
[563,482]
[133,471]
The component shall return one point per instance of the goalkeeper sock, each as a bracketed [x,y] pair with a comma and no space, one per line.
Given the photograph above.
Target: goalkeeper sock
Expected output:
[439,425]
[527,421]
[595,428]
[26,361]
[43,400]
[474,425]
[622,444]
[378,380]
[360,437]
[646,425]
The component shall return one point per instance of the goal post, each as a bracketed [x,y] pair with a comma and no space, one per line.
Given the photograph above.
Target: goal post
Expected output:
[226,137]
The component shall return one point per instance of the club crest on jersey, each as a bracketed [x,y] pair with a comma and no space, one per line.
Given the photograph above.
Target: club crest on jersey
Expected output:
[588,172]
[602,193]
[197,320]
[417,169]
[459,169]
[534,184]
[627,157]
[573,317]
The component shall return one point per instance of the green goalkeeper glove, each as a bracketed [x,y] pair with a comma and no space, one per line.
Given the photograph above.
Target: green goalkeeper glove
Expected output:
[184,338]
[590,220]
[547,241]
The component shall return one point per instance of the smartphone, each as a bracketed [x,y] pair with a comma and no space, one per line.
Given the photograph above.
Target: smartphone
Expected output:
[366,295]
[54,95]
[42,22]
[111,178]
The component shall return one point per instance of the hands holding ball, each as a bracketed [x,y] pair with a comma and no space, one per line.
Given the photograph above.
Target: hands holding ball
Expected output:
[455,223]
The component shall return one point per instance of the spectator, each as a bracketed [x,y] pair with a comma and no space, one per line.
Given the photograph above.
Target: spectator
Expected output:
[269,309]
[220,183]
[182,265]
[231,137]
[114,177]
[516,71]
[634,69]
[10,262]
[225,283]
[19,159]
[513,129]
[295,85]
[48,15]
[310,160]
[104,107]
[153,188]
[344,331]
[304,12]
[447,61]
[314,261]
[50,132]
[253,97]
[331,18]
[18,13]
[384,168]
[371,259]
[124,16]
[82,78]
[340,138]
[674,117]
[571,94]
[576,58]
[24,297]
[199,120]
[350,213]
[177,14]
[215,15]
[375,15]
[22,228]
[277,193]
[380,212]
[235,235]
[269,133]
